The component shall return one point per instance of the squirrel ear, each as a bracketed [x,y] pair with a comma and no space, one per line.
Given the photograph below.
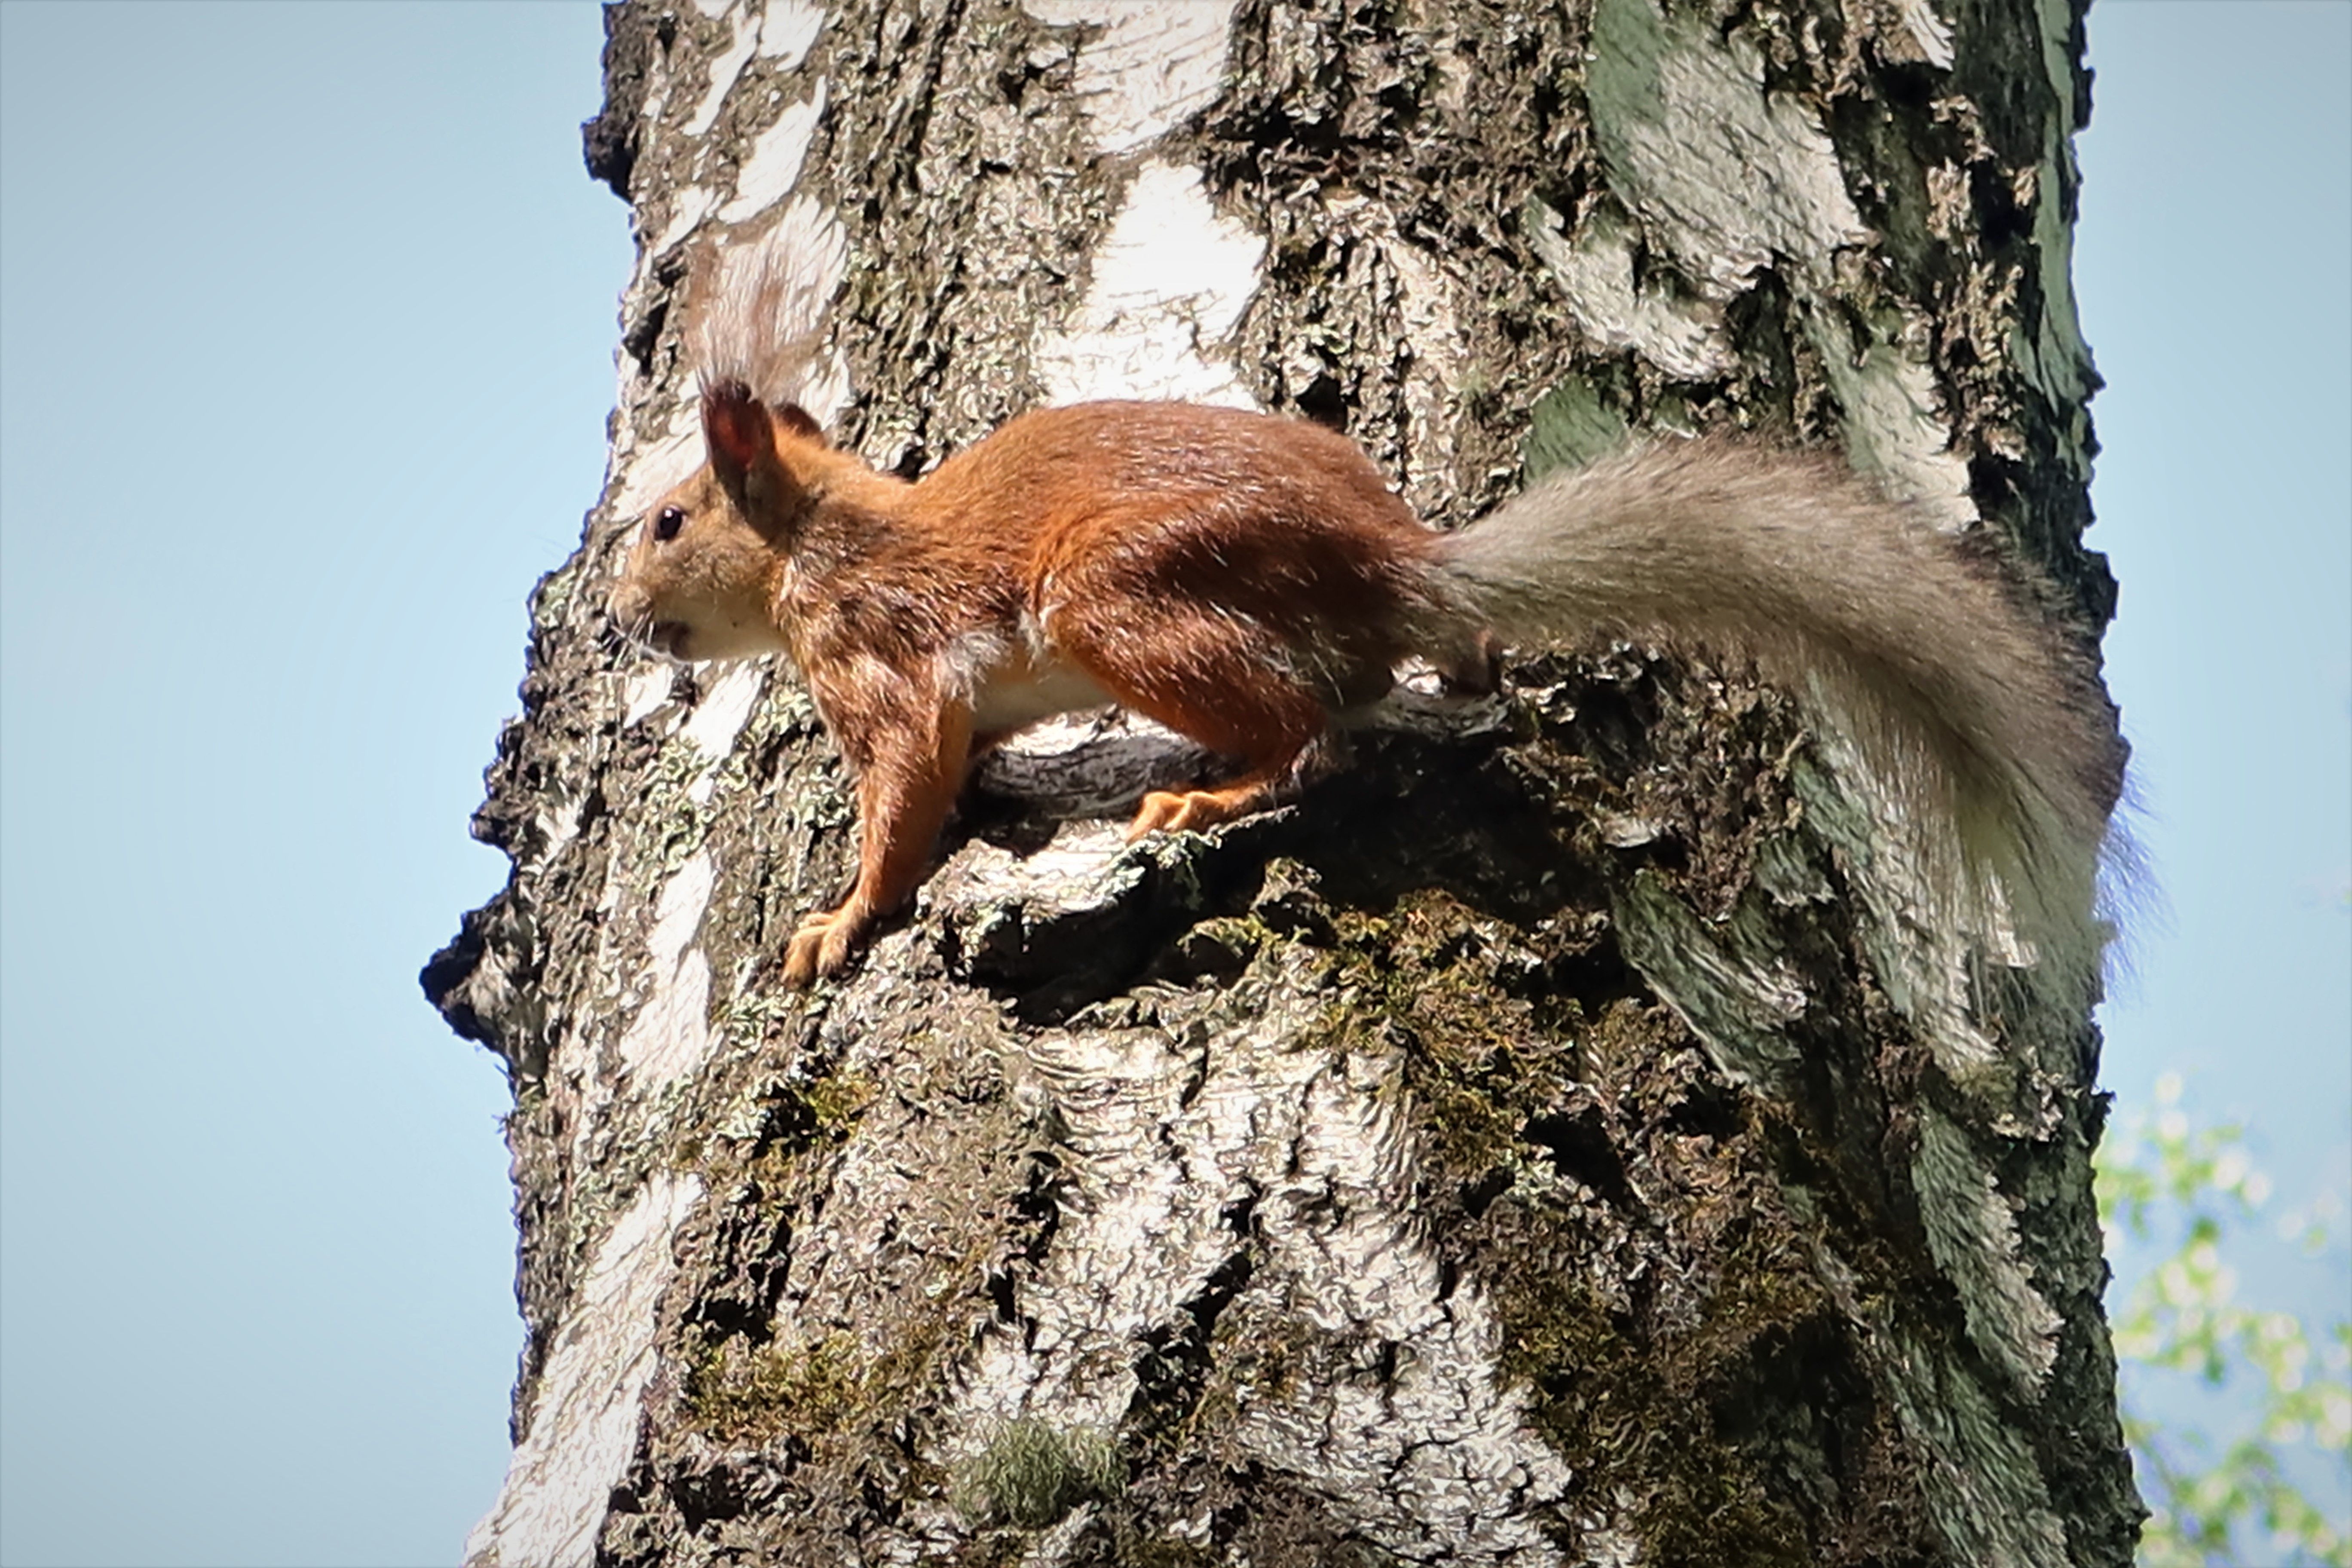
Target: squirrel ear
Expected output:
[798,420]
[735,426]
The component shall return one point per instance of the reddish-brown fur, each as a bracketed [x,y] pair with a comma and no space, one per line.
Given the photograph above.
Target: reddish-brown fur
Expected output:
[1233,576]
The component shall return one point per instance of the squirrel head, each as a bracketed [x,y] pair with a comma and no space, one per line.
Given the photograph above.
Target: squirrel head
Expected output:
[700,580]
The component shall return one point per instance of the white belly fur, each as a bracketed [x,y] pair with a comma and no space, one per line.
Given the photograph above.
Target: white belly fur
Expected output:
[1020,692]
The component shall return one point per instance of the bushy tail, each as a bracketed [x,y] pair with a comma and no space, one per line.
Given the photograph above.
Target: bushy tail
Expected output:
[1983,722]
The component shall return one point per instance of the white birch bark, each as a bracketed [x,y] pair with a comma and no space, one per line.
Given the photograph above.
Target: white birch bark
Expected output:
[1564,1137]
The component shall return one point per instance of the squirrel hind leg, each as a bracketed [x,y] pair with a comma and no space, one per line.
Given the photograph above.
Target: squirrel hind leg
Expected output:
[1222,682]
[1198,810]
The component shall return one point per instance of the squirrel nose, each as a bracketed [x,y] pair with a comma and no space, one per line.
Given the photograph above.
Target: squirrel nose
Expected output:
[629,607]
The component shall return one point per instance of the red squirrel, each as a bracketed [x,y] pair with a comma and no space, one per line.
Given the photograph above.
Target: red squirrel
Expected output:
[1240,576]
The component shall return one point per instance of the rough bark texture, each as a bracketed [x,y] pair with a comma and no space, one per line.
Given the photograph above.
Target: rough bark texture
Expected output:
[1553,1139]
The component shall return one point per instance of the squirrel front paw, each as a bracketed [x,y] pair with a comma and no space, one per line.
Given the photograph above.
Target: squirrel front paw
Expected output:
[820,948]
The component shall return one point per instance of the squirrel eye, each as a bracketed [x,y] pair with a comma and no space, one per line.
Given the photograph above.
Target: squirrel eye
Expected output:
[666,525]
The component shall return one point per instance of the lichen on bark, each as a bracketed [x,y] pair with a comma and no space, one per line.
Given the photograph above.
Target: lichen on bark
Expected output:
[1552,1138]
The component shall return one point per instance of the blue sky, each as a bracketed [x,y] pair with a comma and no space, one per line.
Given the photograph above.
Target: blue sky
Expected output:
[2214,269]
[306,322]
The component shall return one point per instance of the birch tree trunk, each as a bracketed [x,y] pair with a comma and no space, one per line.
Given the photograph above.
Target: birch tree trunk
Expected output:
[1560,1137]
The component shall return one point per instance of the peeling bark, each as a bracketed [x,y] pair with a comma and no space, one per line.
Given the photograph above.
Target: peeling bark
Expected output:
[1557,1137]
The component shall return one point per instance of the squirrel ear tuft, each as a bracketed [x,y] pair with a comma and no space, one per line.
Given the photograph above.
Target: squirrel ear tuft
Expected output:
[798,420]
[735,426]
